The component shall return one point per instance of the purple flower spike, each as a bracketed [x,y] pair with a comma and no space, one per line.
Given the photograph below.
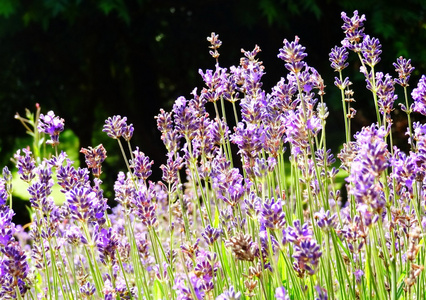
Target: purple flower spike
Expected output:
[25,165]
[3,193]
[272,214]
[94,158]
[7,227]
[15,265]
[84,204]
[370,50]
[210,234]
[144,205]
[293,54]
[230,294]
[404,69]
[107,242]
[141,165]
[52,125]
[307,257]
[322,293]
[338,57]
[115,127]
[281,294]
[419,96]
[354,31]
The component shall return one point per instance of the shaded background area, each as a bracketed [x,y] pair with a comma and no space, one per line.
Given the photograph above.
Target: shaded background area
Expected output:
[91,59]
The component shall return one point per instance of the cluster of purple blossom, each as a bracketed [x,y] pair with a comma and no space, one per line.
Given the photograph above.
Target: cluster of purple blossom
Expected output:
[270,225]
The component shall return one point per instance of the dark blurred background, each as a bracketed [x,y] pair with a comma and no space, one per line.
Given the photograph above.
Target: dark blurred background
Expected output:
[90,59]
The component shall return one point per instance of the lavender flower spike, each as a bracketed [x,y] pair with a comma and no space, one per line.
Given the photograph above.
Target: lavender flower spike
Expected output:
[354,31]
[94,158]
[419,96]
[293,54]
[52,125]
[338,57]
[115,127]
[404,69]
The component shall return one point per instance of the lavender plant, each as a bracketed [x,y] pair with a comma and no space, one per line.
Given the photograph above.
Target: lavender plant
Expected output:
[266,222]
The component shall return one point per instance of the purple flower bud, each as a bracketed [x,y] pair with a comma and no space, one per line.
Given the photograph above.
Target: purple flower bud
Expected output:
[7,227]
[210,234]
[307,256]
[338,57]
[94,158]
[281,293]
[370,50]
[272,215]
[230,294]
[354,31]
[107,243]
[84,204]
[25,165]
[293,54]
[88,289]
[144,205]
[15,265]
[322,293]
[419,96]
[404,69]
[115,127]
[52,125]
[141,165]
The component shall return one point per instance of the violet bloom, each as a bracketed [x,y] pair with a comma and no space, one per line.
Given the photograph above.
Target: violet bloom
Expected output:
[272,215]
[419,96]
[385,93]
[251,74]
[283,94]
[293,54]
[7,227]
[115,126]
[3,192]
[370,50]
[124,189]
[107,242]
[94,158]
[87,289]
[354,31]
[404,170]
[298,233]
[13,266]
[252,107]
[186,117]
[210,234]
[171,169]
[215,44]
[141,165]
[216,83]
[84,205]
[370,161]
[307,255]
[228,183]
[52,125]
[281,294]
[338,57]
[404,69]
[230,294]
[324,219]
[25,165]
[144,205]
[322,293]
[69,177]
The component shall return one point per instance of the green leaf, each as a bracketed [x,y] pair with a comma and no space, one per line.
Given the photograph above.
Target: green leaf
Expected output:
[8,7]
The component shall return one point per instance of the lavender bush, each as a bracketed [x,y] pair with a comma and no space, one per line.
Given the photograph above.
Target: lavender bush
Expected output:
[274,228]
